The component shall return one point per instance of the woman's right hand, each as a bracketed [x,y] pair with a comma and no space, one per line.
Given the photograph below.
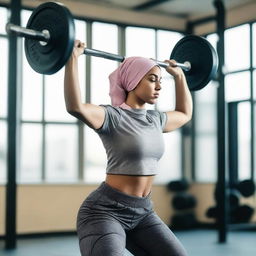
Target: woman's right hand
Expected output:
[78,48]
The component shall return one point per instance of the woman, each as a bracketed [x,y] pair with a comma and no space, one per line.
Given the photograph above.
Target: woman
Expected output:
[119,212]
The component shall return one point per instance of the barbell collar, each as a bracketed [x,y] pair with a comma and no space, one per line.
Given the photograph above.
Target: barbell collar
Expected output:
[102,54]
[27,33]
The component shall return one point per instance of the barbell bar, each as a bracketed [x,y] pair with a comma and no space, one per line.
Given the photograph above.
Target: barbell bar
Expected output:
[44,38]
[49,41]
[28,33]
[97,53]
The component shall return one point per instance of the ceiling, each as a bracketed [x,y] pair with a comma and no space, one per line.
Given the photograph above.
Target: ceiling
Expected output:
[187,9]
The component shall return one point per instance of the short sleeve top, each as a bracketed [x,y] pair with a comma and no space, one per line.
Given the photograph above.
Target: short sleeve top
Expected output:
[133,140]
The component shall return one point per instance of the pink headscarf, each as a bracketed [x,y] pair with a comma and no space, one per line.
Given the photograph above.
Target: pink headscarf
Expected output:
[127,76]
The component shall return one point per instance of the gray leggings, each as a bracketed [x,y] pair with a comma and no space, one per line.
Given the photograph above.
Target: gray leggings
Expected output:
[110,221]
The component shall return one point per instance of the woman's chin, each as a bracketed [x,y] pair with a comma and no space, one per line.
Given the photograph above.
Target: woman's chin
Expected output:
[152,101]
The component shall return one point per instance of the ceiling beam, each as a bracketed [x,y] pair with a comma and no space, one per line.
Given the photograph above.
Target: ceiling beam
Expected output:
[149,4]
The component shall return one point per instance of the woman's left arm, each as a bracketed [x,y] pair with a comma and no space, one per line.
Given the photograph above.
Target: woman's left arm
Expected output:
[184,105]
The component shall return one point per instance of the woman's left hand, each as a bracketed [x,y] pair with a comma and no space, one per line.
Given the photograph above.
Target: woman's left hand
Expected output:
[172,69]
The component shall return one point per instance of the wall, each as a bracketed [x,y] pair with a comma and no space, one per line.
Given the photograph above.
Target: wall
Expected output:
[46,208]
[50,208]
[234,17]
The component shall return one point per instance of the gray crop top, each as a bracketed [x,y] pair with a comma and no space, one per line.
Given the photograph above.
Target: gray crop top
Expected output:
[133,140]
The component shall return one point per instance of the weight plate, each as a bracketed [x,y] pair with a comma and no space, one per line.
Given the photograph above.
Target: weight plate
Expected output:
[246,188]
[57,19]
[202,56]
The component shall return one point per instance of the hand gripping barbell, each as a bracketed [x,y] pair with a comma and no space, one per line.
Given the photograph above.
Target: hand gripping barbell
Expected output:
[49,41]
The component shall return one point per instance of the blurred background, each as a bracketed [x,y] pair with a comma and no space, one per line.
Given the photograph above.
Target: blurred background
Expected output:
[59,160]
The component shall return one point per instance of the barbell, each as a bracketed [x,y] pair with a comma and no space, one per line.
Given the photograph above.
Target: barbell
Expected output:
[49,41]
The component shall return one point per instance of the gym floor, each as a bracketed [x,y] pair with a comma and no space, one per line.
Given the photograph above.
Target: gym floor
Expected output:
[197,242]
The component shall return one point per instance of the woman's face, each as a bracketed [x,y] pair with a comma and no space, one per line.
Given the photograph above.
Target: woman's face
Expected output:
[148,88]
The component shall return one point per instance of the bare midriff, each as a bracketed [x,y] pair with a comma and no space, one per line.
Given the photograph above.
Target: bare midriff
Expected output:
[131,185]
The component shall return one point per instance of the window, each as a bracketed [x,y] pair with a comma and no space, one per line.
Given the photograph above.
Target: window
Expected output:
[213,39]
[95,159]
[140,42]
[254,44]
[31,153]
[244,140]
[3,151]
[254,137]
[105,38]
[25,14]
[3,20]
[170,163]
[165,43]
[237,86]
[205,118]
[4,77]
[32,93]
[3,96]
[61,153]
[32,84]
[49,135]
[254,84]
[237,52]
[55,109]
[81,35]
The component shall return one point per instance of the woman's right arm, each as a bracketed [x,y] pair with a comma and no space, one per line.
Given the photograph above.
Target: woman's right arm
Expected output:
[90,114]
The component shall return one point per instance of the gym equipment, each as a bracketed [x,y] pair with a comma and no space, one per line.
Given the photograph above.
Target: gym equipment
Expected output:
[246,188]
[49,37]
[183,221]
[49,40]
[178,185]
[233,198]
[241,214]
[237,213]
[183,201]
[212,212]
[202,57]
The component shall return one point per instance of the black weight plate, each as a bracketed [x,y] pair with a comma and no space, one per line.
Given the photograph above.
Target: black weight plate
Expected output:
[57,19]
[246,188]
[202,56]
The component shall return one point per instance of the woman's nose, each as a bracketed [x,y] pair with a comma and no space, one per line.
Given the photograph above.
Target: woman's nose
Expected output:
[158,86]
